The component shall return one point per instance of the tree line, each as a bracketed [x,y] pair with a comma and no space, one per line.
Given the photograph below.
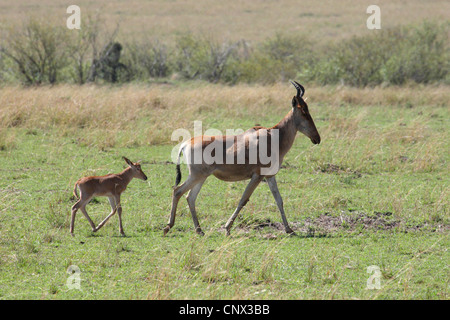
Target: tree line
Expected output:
[41,53]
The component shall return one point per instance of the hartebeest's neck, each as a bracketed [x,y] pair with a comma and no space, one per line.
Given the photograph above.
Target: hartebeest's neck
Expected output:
[126,175]
[287,132]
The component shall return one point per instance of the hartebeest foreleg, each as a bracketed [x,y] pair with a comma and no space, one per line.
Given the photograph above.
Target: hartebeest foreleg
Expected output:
[272,182]
[254,182]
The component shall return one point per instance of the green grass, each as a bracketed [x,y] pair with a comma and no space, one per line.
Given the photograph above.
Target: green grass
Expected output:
[374,192]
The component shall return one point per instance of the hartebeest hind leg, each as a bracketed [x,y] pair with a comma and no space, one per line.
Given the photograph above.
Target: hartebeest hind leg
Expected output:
[254,182]
[276,194]
[177,194]
[192,196]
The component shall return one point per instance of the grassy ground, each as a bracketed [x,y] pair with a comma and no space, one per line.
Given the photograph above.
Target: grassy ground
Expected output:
[374,192]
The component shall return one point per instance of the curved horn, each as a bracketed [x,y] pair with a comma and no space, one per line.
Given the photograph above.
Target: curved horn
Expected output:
[299,87]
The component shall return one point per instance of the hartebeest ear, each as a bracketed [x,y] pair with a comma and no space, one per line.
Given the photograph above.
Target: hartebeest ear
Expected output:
[128,161]
[294,102]
[299,103]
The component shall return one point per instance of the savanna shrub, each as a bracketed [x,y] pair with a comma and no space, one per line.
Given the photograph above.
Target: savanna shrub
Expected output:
[147,59]
[40,53]
[422,56]
[392,56]
[37,51]
[202,58]
[279,58]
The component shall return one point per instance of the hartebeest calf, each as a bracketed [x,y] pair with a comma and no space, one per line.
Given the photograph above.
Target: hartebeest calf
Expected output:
[238,157]
[111,186]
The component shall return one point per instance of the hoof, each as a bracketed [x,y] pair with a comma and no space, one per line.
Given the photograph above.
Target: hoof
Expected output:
[200,232]
[290,232]
[166,229]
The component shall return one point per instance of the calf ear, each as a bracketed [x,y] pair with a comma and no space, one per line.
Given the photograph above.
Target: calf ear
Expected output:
[127,161]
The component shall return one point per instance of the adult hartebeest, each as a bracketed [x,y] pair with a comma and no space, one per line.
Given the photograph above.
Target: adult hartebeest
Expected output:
[242,157]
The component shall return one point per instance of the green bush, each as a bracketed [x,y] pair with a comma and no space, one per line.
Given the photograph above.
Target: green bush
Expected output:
[421,57]
[37,52]
[40,53]
[202,58]
[276,59]
[392,56]
[147,59]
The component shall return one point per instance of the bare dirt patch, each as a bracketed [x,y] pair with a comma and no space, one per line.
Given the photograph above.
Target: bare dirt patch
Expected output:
[333,168]
[347,221]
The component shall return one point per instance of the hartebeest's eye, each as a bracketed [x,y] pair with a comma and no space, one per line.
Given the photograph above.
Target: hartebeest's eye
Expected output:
[303,107]
[305,110]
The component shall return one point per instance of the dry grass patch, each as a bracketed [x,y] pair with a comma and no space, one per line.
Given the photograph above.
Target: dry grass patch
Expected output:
[234,20]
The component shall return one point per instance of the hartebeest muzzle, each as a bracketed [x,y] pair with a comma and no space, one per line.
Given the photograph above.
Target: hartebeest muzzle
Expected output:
[316,140]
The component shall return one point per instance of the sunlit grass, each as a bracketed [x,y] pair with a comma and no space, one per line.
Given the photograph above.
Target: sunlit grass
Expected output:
[379,179]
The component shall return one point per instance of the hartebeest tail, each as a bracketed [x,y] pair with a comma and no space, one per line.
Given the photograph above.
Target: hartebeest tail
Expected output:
[178,178]
[252,168]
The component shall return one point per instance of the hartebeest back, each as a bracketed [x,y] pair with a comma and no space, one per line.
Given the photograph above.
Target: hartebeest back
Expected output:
[239,157]
[111,186]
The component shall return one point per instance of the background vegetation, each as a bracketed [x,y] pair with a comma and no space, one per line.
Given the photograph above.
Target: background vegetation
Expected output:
[39,52]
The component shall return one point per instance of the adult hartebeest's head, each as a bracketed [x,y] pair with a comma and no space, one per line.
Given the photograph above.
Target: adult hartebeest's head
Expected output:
[303,120]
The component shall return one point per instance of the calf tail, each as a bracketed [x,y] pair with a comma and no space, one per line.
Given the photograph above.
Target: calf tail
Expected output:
[75,190]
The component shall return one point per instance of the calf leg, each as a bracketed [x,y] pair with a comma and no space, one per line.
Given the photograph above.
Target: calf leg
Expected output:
[83,209]
[75,208]
[80,204]
[119,212]
[112,203]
